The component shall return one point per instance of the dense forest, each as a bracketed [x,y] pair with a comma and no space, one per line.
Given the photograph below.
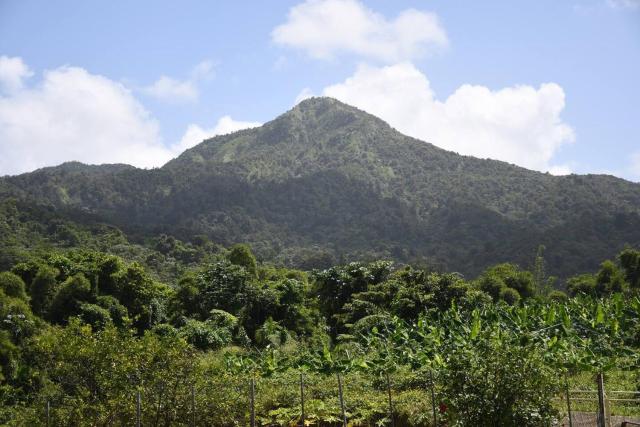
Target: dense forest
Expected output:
[324,184]
[83,332]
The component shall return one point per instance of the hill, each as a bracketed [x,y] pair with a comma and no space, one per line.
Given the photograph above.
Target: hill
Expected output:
[326,182]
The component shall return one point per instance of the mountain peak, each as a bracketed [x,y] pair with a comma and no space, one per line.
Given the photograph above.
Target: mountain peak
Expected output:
[314,107]
[321,103]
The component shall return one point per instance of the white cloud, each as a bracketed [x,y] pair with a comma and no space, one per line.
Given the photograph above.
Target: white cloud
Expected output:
[168,89]
[520,124]
[75,115]
[326,28]
[561,170]
[12,73]
[305,93]
[196,134]
[624,4]
[174,90]
[205,70]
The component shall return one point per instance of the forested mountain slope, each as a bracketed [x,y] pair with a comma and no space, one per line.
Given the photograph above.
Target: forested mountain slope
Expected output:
[326,182]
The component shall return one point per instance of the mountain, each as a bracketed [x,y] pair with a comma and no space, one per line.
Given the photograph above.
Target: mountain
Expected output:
[326,182]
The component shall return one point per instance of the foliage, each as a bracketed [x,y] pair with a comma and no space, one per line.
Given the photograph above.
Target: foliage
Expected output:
[12,285]
[108,330]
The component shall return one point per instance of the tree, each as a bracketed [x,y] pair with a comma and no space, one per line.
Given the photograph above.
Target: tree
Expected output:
[241,255]
[630,263]
[96,316]
[67,302]
[108,268]
[186,300]
[223,286]
[142,296]
[13,285]
[205,335]
[117,312]
[336,286]
[609,279]
[43,289]
[507,275]
[582,284]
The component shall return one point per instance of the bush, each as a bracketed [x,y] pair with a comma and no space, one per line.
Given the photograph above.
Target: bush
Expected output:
[510,296]
[557,296]
[118,312]
[496,383]
[67,301]
[205,335]
[95,316]
[165,330]
[13,285]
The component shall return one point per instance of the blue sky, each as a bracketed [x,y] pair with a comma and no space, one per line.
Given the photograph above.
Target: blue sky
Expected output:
[549,85]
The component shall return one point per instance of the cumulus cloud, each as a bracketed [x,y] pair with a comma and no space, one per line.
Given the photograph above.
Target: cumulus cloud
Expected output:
[72,114]
[520,124]
[12,73]
[176,90]
[75,115]
[196,134]
[326,28]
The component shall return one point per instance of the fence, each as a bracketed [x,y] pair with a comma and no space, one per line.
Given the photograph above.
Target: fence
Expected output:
[589,404]
[281,400]
[325,400]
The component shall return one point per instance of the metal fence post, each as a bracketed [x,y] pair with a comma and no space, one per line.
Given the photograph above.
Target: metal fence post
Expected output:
[340,395]
[433,398]
[253,402]
[602,421]
[391,412]
[138,409]
[193,406]
[48,413]
[566,390]
[302,398]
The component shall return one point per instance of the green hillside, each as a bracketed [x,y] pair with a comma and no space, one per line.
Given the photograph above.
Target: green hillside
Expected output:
[326,183]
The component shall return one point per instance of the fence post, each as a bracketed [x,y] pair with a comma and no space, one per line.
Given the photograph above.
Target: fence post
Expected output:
[566,391]
[193,406]
[433,398]
[602,421]
[253,402]
[138,409]
[391,412]
[48,413]
[302,397]
[340,395]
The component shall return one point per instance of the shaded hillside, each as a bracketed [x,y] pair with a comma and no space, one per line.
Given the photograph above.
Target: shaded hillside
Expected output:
[326,182]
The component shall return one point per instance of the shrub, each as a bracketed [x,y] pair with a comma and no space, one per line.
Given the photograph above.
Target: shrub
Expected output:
[13,285]
[510,296]
[95,316]
[494,382]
